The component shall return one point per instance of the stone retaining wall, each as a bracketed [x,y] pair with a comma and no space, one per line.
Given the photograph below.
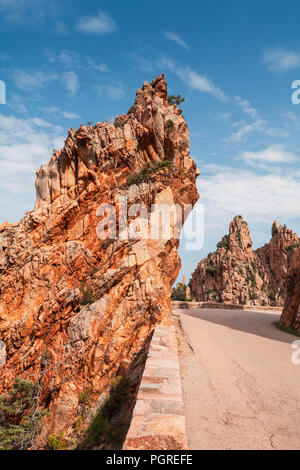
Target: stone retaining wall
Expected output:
[158,421]
[178,305]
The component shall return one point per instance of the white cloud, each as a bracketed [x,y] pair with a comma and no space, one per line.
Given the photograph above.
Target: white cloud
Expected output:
[70,81]
[69,115]
[113,92]
[281,60]
[38,79]
[29,81]
[25,144]
[97,24]
[272,154]
[54,110]
[291,116]
[193,79]
[245,129]
[101,67]
[224,116]
[176,38]
[246,107]
[70,59]
[40,15]
[200,82]
[227,191]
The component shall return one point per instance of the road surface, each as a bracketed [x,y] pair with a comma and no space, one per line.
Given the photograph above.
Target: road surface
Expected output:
[241,388]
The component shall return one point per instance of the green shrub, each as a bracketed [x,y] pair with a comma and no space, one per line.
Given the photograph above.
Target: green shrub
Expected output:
[274,230]
[147,172]
[57,442]
[254,267]
[292,247]
[175,99]
[214,293]
[179,292]
[272,296]
[86,397]
[118,122]
[87,294]
[224,243]
[251,278]
[19,416]
[211,270]
[253,296]
[286,329]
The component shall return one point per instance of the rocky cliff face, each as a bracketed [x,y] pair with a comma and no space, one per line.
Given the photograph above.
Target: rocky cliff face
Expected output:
[237,274]
[75,307]
[291,312]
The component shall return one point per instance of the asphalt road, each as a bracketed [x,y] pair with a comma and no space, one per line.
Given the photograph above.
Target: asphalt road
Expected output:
[241,388]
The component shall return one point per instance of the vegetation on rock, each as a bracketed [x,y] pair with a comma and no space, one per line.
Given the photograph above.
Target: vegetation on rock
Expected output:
[175,99]
[20,415]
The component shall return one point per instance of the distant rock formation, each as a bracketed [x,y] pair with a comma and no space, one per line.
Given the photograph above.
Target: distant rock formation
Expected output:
[239,275]
[290,317]
[74,304]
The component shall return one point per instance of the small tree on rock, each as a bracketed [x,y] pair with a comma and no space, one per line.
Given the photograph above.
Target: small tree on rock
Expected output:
[175,99]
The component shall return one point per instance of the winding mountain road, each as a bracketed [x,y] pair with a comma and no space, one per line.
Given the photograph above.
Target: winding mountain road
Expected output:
[241,388]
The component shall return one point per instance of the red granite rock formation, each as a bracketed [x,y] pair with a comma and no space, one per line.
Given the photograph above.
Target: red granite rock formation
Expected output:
[291,313]
[239,275]
[78,305]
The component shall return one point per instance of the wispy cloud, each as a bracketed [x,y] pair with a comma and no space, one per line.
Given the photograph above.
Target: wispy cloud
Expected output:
[57,112]
[100,67]
[227,191]
[32,80]
[97,24]
[38,79]
[281,60]
[224,116]
[176,38]
[111,91]
[291,116]
[274,154]
[246,107]
[70,81]
[193,79]
[40,15]
[70,59]
[244,129]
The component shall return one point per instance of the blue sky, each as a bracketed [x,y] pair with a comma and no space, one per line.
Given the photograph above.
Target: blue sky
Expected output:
[68,62]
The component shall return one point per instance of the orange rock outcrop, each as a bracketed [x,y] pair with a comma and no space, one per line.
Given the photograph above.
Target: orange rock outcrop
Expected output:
[290,317]
[71,303]
[237,274]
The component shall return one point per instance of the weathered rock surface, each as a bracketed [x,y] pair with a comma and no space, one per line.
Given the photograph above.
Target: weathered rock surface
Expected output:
[52,261]
[291,312]
[239,275]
